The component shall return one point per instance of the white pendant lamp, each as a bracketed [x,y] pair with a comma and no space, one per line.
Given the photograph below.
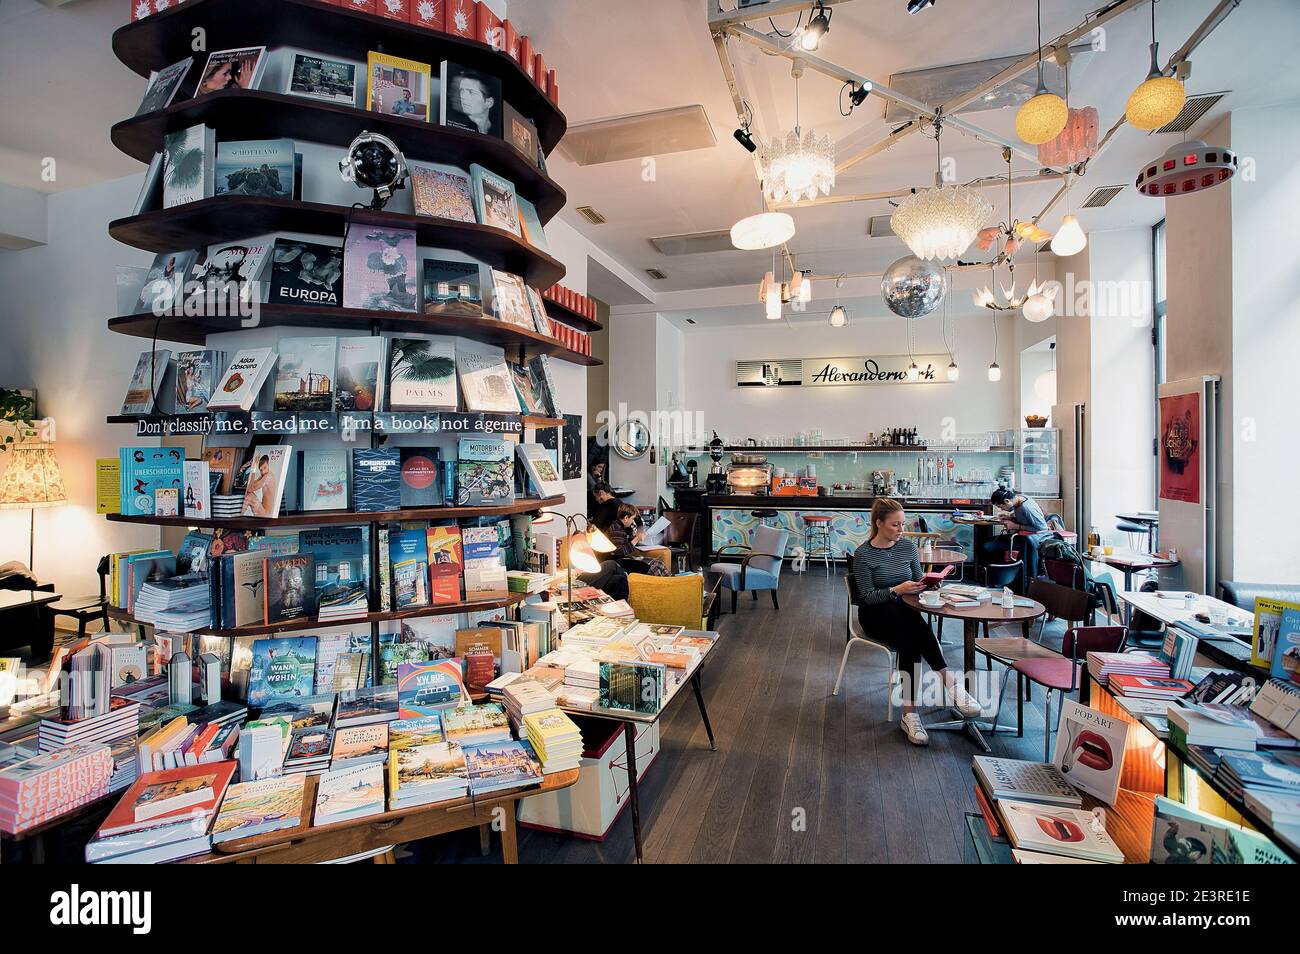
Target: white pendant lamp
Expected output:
[1069,239]
[763,230]
[839,317]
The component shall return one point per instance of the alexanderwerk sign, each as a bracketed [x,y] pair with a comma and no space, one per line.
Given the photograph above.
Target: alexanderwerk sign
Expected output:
[831,372]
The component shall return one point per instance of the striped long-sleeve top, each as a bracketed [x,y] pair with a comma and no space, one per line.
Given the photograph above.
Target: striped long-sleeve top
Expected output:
[876,569]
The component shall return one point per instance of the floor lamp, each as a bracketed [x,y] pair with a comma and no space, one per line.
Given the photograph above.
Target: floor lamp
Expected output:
[582,548]
[31,480]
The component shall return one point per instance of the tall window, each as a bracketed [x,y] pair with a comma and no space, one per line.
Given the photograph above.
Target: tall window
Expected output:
[1159,304]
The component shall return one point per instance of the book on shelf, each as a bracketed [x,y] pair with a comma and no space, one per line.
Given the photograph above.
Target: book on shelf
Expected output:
[421,477]
[1057,830]
[234,266]
[153,384]
[485,380]
[441,193]
[290,590]
[397,86]
[282,667]
[1182,835]
[1149,687]
[259,807]
[494,200]
[484,571]
[1090,750]
[264,475]
[530,225]
[485,470]
[379,269]
[453,288]
[232,69]
[1278,703]
[189,165]
[164,284]
[360,744]
[196,498]
[304,378]
[341,572]
[143,471]
[163,85]
[541,470]
[359,379]
[410,567]
[243,380]
[324,479]
[223,462]
[446,558]
[262,167]
[470,99]
[352,792]
[365,706]
[423,374]
[509,301]
[321,77]
[1286,654]
[539,366]
[147,199]
[197,374]
[166,501]
[520,133]
[376,479]
[541,320]
[425,688]
[305,273]
[501,765]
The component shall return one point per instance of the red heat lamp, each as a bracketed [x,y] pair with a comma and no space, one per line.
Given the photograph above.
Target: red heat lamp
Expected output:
[1190,166]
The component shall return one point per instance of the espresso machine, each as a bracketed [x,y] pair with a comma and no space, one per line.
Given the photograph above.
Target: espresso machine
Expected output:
[716,481]
[882,483]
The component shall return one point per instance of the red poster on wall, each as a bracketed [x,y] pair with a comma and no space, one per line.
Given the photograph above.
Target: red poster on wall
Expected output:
[1180,447]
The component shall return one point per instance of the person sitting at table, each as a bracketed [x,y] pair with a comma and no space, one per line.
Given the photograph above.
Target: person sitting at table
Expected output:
[885,569]
[1024,516]
[604,505]
[625,538]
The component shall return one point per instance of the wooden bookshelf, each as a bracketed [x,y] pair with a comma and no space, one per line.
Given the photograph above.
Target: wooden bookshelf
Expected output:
[313,518]
[233,218]
[262,114]
[570,317]
[520,343]
[164,38]
[307,623]
[526,420]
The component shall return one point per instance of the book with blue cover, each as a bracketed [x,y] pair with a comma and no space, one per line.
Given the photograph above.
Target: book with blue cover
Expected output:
[485,472]
[283,667]
[376,479]
[143,471]
[263,167]
[501,765]
[426,688]
[341,583]
[1286,655]
[409,554]
[324,479]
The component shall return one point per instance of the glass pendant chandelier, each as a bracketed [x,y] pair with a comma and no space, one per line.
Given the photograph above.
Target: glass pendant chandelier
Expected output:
[940,222]
[1160,98]
[1042,118]
[802,164]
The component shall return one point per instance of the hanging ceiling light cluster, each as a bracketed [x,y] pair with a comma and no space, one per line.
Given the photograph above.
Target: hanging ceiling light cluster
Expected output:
[1159,98]
[943,221]
[800,165]
[1042,117]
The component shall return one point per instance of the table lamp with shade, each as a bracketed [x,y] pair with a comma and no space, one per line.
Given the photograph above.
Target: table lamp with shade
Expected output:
[583,547]
[30,480]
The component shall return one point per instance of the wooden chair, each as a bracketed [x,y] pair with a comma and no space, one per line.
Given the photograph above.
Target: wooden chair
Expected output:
[670,600]
[86,608]
[853,628]
[1062,602]
[679,536]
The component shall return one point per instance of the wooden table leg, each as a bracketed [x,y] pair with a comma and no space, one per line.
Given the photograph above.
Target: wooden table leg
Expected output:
[484,838]
[629,734]
[509,846]
[969,630]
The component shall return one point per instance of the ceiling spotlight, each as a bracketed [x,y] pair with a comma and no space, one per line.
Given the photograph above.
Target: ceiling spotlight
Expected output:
[916,6]
[818,26]
[839,317]
[374,162]
[859,94]
[745,139]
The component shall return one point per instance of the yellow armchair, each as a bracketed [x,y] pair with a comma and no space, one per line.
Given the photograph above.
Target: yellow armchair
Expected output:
[670,600]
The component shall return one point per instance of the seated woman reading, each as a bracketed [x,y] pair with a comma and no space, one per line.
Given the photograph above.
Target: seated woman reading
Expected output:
[620,533]
[885,569]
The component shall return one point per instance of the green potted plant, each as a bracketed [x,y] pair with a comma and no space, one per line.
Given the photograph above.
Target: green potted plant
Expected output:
[16,412]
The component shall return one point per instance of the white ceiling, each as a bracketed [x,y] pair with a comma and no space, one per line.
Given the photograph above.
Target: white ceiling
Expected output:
[621,61]
[619,57]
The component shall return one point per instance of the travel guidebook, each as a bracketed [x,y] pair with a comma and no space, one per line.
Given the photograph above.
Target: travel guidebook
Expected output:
[305,273]
[283,667]
[425,688]
[262,167]
[445,562]
[379,269]
[485,472]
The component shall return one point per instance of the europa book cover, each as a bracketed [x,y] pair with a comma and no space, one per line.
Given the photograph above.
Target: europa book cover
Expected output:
[376,480]
[453,288]
[306,273]
[262,167]
[358,383]
[340,555]
[423,374]
[421,477]
[425,688]
[290,589]
[485,472]
[304,379]
[379,269]
[283,667]
[144,471]
[446,559]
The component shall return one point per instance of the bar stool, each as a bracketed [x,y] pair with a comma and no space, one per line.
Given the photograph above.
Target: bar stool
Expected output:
[817,538]
[762,516]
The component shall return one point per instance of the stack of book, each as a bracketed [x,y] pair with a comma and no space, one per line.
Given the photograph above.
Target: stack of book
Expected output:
[521,581]
[1024,781]
[1223,727]
[425,773]
[527,693]
[1069,832]
[357,745]
[366,706]
[1149,687]
[356,792]
[309,750]
[259,807]
[1278,703]
[163,816]
[1281,810]
[1269,772]
[121,721]
[181,604]
[556,740]
[1182,835]
[618,609]
[1101,666]
[476,725]
[227,506]
[51,784]
[501,765]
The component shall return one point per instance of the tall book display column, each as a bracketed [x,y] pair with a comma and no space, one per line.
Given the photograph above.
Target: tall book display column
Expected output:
[284,84]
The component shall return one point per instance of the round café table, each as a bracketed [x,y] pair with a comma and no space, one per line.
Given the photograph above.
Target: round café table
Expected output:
[989,611]
[937,557]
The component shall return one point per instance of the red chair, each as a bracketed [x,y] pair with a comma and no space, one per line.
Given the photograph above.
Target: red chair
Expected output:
[1063,675]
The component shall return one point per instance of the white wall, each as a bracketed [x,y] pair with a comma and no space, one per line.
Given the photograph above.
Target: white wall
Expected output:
[1033,363]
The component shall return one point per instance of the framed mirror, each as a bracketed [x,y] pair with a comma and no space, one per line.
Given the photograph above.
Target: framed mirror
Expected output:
[631,440]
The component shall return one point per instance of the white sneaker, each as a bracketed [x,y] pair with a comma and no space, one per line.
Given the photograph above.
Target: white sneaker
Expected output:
[915,731]
[965,703]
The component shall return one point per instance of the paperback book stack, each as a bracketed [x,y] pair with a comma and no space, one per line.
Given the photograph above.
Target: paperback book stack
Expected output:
[179,605]
[582,683]
[309,750]
[163,816]
[1149,687]
[525,695]
[1101,666]
[355,792]
[227,506]
[259,807]
[556,740]
[501,765]
[476,725]
[1275,773]
[121,721]
[357,745]
[51,784]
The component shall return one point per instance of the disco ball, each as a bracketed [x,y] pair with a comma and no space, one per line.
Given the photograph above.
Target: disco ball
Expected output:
[912,287]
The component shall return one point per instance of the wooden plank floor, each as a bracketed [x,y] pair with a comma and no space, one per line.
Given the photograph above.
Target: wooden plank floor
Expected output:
[799,775]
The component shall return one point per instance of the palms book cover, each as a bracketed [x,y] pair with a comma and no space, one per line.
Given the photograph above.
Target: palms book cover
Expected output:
[189,165]
[423,374]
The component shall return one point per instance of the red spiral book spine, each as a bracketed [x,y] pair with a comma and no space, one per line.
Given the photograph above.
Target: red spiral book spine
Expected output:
[430,14]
